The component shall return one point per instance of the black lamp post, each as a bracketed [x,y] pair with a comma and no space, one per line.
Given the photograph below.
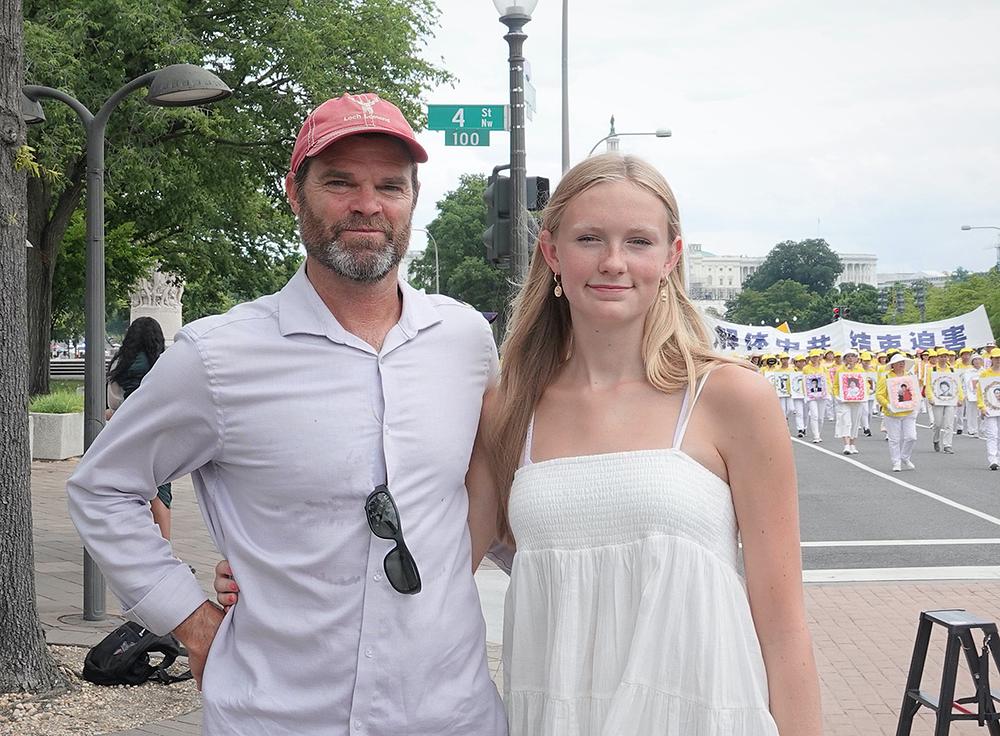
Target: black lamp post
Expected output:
[177,85]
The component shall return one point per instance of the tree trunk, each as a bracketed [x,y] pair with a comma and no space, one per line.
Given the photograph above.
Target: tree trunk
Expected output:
[25,662]
[47,225]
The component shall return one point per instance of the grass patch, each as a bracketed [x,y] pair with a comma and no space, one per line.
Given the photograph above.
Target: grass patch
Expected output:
[57,402]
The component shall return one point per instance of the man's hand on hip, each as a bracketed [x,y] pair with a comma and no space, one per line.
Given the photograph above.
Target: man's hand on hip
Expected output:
[197,632]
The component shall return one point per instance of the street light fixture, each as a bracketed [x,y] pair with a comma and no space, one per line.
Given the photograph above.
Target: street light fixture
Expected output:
[659,133]
[437,270]
[515,14]
[175,85]
[987,227]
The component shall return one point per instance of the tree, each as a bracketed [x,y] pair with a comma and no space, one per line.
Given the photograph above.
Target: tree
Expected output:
[784,301]
[810,262]
[961,295]
[458,231]
[202,188]
[25,662]
[861,299]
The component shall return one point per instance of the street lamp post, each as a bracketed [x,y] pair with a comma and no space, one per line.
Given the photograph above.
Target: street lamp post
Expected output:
[177,85]
[613,136]
[437,269]
[515,14]
[987,227]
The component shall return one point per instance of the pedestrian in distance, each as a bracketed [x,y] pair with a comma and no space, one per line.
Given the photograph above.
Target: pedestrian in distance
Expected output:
[817,390]
[901,425]
[328,429]
[942,399]
[848,416]
[989,407]
[141,346]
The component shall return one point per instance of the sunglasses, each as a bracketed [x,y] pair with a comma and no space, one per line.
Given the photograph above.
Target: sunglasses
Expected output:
[383,519]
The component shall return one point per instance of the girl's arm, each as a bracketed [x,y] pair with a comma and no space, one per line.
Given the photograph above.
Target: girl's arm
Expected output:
[483,496]
[753,441]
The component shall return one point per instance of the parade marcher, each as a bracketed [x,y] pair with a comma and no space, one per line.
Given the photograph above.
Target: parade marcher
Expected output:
[848,411]
[942,406]
[989,413]
[816,378]
[784,366]
[923,366]
[970,384]
[871,376]
[831,361]
[900,425]
[798,397]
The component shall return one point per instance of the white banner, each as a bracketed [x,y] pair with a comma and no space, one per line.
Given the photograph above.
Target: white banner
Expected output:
[968,330]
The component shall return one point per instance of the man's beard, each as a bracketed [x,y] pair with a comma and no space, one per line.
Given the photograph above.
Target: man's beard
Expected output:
[365,259]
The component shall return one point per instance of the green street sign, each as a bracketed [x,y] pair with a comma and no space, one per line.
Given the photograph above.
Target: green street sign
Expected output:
[467,138]
[467,117]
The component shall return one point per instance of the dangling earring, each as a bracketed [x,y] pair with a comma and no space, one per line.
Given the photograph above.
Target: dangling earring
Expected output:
[664,296]
[558,290]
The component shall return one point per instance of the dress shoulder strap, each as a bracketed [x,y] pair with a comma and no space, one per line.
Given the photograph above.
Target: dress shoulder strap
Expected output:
[526,455]
[687,407]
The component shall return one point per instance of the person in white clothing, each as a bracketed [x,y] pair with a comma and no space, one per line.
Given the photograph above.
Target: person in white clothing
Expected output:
[849,406]
[623,582]
[900,422]
[970,378]
[798,397]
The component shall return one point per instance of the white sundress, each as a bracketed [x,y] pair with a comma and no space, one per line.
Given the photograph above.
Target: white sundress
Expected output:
[626,614]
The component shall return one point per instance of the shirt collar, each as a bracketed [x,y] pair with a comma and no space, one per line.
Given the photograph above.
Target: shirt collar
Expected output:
[302,311]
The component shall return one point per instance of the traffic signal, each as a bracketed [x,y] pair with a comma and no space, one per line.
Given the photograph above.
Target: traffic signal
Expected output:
[845,313]
[900,304]
[538,193]
[836,313]
[883,300]
[497,237]
[920,294]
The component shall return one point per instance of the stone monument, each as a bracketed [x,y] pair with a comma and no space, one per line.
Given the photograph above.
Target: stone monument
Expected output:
[159,297]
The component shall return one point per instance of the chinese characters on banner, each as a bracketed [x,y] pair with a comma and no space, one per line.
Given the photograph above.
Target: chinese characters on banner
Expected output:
[968,330]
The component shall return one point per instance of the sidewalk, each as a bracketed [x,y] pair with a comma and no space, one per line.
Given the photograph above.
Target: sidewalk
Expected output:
[863,633]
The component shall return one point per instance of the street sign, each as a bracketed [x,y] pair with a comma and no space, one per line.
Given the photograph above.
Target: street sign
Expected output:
[467,137]
[467,117]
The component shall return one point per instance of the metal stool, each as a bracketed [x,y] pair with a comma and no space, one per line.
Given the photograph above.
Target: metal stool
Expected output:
[959,625]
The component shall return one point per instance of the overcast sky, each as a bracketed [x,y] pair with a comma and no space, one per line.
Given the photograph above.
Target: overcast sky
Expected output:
[875,124]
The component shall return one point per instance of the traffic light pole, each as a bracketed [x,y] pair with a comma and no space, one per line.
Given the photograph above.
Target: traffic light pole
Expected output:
[518,167]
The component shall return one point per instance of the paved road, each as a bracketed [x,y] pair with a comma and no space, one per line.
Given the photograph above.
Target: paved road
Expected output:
[858,515]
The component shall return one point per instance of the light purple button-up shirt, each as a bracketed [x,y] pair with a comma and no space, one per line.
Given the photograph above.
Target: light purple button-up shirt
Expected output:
[286,423]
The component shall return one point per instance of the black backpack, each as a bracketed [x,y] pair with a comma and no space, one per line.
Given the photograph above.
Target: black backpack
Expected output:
[122,657]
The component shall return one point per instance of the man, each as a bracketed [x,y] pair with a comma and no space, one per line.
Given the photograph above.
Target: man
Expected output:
[320,425]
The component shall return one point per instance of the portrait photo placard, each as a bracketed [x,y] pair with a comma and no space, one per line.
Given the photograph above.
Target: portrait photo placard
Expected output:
[871,378]
[853,386]
[944,387]
[990,386]
[781,382]
[798,386]
[970,385]
[904,393]
[815,386]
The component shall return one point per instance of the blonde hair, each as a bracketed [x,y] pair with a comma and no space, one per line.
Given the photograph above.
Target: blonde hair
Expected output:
[675,346]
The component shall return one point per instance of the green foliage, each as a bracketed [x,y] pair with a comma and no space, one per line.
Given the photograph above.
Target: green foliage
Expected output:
[458,232]
[200,190]
[24,160]
[57,402]
[861,299]
[784,301]
[965,292]
[809,262]
[125,263]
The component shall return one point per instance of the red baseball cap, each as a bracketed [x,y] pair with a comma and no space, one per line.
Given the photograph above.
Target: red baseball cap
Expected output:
[349,115]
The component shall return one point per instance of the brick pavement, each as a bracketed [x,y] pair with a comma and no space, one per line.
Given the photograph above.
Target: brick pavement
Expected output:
[863,633]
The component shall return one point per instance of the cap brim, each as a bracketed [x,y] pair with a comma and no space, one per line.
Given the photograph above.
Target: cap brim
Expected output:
[416,150]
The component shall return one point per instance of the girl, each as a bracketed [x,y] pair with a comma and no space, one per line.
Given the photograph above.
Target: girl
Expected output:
[142,345]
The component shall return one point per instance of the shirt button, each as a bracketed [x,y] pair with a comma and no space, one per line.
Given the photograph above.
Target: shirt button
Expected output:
[369,652]
[377,577]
